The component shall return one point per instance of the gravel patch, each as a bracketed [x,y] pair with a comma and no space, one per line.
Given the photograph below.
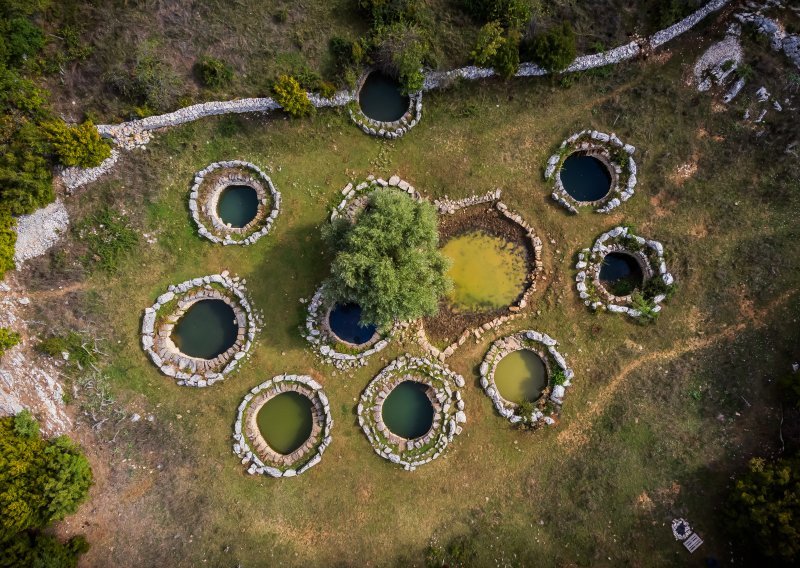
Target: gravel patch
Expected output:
[39,231]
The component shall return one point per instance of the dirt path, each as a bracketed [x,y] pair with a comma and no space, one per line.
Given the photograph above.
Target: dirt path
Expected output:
[576,434]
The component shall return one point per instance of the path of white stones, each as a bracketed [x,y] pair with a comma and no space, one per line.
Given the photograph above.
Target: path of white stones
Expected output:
[620,239]
[253,449]
[207,188]
[615,155]
[548,406]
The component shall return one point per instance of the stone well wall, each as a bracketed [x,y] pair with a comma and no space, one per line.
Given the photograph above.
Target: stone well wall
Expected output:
[548,406]
[649,254]
[208,185]
[391,130]
[354,197]
[253,449]
[160,319]
[448,406]
[612,152]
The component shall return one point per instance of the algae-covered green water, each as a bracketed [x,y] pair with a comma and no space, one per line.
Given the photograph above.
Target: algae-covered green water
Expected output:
[285,421]
[521,376]
[487,271]
[408,411]
[207,329]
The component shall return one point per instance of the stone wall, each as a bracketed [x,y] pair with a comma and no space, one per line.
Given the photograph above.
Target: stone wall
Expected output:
[615,155]
[159,319]
[203,199]
[253,449]
[448,406]
[354,197]
[548,406]
[393,129]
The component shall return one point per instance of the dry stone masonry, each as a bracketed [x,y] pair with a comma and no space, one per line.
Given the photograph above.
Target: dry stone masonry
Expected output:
[650,256]
[391,130]
[160,319]
[253,449]
[330,348]
[208,185]
[608,149]
[355,197]
[547,407]
[445,396]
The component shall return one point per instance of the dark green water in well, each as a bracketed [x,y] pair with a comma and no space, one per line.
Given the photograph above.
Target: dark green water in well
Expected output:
[237,205]
[521,376]
[206,330]
[408,411]
[585,178]
[381,98]
[345,322]
[285,421]
[620,273]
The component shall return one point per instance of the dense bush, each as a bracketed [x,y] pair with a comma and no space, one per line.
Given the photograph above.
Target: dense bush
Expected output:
[37,550]
[80,351]
[506,61]
[388,261]
[291,96]
[40,480]
[214,73]
[490,40]
[556,49]
[8,238]
[401,50]
[20,39]
[79,145]
[8,339]
[765,508]
[513,14]
[387,12]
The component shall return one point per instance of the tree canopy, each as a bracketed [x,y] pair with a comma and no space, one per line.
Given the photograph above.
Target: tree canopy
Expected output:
[388,260]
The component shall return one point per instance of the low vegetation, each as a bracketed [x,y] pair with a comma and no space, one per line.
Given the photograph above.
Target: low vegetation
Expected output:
[291,96]
[214,73]
[79,145]
[8,339]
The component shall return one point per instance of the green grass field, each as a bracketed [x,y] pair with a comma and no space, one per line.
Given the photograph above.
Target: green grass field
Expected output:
[659,416]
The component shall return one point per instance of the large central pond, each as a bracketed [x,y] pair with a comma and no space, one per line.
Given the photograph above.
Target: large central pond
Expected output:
[286,421]
[488,272]
[521,376]
[381,99]
[408,411]
[621,273]
[585,178]
[207,329]
[345,323]
[237,205]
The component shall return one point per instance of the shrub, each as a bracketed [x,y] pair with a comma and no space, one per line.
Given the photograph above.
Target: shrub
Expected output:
[764,508]
[72,343]
[388,261]
[490,40]
[43,551]
[341,50]
[108,238]
[79,145]
[21,39]
[401,51]
[292,97]
[645,308]
[506,62]
[214,73]
[149,82]
[25,175]
[556,49]
[558,376]
[513,14]
[25,425]
[387,12]
[40,480]
[8,339]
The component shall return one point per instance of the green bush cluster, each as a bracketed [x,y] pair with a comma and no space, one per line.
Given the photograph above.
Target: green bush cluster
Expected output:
[79,145]
[499,40]
[292,97]
[388,261]
[8,339]
[555,49]
[214,73]
[40,481]
[72,343]
[401,50]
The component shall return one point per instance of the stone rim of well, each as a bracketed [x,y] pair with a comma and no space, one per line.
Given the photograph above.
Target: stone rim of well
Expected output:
[448,411]
[612,152]
[548,405]
[355,196]
[330,347]
[393,129]
[207,187]
[648,253]
[253,449]
[447,206]
[160,318]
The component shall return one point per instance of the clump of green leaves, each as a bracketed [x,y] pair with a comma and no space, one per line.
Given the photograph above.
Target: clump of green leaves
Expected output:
[81,351]
[79,145]
[764,508]
[645,307]
[214,73]
[108,237]
[291,96]
[555,49]
[401,50]
[558,377]
[490,40]
[388,260]
[8,339]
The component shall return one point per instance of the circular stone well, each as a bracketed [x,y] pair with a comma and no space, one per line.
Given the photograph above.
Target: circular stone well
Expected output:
[233,203]
[381,109]
[412,397]
[624,273]
[526,378]
[344,321]
[592,169]
[283,426]
[211,318]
